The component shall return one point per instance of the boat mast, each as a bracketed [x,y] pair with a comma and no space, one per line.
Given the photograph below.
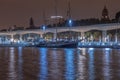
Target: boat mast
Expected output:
[44,24]
[55,7]
[69,17]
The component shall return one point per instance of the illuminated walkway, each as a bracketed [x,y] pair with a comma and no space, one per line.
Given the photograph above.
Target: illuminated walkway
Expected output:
[82,29]
[101,27]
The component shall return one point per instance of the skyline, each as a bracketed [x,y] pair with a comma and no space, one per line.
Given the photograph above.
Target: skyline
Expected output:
[19,12]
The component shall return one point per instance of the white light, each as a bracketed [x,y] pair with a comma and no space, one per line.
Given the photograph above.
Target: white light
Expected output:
[70,21]
[91,49]
[80,48]
[12,40]
[107,49]
[56,17]
[44,27]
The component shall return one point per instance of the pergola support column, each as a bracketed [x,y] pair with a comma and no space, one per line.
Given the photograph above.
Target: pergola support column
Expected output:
[104,36]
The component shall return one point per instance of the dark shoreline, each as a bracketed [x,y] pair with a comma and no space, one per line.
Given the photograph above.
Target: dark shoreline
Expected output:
[60,46]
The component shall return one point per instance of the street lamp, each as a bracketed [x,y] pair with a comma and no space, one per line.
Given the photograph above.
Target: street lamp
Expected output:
[44,27]
[70,22]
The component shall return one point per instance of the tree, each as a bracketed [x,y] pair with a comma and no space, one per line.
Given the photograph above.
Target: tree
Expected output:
[117,16]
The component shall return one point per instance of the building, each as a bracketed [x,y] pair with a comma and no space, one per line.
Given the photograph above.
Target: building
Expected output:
[105,15]
[31,23]
[117,16]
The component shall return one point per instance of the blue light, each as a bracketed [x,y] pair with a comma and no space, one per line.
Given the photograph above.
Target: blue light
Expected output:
[70,68]
[20,62]
[91,64]
[107,49]
[43,64]
[44,27]
[70,22]
[91,49]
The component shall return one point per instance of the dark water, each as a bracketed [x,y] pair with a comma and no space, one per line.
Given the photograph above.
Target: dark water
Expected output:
[59,64]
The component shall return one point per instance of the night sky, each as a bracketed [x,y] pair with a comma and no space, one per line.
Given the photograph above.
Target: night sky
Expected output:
[18,12]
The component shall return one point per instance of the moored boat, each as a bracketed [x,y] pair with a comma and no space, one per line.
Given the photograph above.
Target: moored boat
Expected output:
[59,45]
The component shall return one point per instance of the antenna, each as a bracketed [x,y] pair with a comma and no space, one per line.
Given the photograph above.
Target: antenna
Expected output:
[44,17]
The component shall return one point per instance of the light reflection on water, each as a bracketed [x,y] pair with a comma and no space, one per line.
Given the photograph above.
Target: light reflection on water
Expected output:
[106,64]
[91,64]
[59,64]
[81,64]
[43,64]
[20,63]
[69,64]
[56,64]
[12,72]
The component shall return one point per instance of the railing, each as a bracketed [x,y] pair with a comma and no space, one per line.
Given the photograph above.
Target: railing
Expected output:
[99,44]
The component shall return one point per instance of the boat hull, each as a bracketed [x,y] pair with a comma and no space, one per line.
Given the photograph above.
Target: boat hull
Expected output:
[59,45]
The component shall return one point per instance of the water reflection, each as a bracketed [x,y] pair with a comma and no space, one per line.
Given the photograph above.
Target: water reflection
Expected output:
[91,64]
[59,64]
[81,64]
[6,51]
[106,63]
[82,51]
[43,64]
[70,66]
[54,64]
[20,63]
[12,72]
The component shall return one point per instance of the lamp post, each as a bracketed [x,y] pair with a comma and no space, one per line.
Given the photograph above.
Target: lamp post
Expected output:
[70,22]
[69,17]
[70,25]
[117,31]
[44,28]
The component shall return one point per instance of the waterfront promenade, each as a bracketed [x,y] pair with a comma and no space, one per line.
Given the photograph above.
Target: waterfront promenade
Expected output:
[100,35]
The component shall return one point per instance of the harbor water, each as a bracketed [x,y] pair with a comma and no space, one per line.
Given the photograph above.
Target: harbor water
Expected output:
[31,63]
